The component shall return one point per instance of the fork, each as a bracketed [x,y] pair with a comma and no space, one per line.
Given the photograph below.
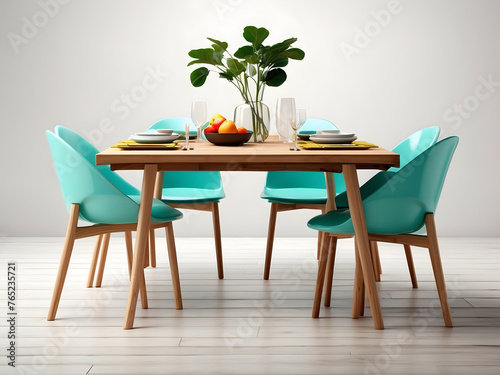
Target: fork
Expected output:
[186,135]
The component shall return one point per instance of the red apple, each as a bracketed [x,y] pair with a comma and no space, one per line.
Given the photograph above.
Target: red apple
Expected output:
[217,123]
[241,129]
[210,129]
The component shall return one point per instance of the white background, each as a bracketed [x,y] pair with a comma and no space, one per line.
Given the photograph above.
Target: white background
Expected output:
[71,64]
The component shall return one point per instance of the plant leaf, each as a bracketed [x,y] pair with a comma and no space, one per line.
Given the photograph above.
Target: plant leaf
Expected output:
[280,62]
[275,77]
[199,76]
[222,45]
[255,35]
[251,71]
[235,66]
[227,75]
[252,59]
[196,62]
[293,53]
[217,57]
[244,52]
[217,48]
[206,56]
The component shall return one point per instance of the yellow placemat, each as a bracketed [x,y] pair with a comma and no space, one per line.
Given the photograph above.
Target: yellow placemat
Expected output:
[133,145]
[356,145]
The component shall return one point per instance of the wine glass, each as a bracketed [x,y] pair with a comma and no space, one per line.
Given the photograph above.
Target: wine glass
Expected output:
[199,117]
[285,115]
[300,119]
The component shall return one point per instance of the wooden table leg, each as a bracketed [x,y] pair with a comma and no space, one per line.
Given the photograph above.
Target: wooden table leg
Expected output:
[330,206]
[359,223]
[142,236]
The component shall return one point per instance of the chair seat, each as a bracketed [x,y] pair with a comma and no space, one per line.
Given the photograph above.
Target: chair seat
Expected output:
[405,217]
[160,212]
[191,195]
[295,195]
[338,221]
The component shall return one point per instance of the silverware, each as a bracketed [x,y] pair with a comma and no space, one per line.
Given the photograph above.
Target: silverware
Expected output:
[186,135]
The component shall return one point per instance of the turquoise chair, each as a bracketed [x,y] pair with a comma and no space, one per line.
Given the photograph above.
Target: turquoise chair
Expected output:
[88,151]
[408,149]
[198,190]
[395,212]
[291,190]
[89,196]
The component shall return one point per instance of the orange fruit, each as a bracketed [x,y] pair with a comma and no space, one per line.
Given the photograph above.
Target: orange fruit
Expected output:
[228,127]
[241,129]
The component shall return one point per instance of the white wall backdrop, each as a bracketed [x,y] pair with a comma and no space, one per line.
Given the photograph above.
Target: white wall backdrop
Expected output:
[380,68]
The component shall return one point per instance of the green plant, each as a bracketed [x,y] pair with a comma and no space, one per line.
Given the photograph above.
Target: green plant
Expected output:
[251,66]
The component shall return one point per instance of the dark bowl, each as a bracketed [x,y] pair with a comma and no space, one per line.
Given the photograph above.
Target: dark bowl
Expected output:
[236,139]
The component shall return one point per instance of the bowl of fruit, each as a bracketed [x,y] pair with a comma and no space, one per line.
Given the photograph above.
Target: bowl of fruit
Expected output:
[223,132]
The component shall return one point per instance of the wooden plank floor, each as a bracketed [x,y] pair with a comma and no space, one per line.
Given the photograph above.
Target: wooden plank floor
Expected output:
[245,325]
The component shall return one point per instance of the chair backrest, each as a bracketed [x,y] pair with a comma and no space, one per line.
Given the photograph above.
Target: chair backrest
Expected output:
[415,144]
[178,125]
[193,180]
[81,183]
[400,204]
[88,151]
[318,124]
[175,123]
[298,179]
[313,180]
[184,179]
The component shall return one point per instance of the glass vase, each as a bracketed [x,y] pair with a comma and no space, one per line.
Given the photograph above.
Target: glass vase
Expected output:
[253,116]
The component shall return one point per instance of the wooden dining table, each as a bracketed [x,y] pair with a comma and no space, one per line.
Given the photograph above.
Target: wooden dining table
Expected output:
[271,155]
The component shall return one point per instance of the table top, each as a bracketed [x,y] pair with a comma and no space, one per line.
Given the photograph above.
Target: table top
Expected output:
[270,155]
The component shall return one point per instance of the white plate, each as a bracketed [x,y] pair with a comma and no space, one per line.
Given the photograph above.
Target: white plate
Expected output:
[329,131]
[333,140]
[154,134]
[334,136]
[165,131]
[154,138]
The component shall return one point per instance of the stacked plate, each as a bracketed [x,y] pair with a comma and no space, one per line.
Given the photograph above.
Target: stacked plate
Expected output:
[332,136]
[154,137]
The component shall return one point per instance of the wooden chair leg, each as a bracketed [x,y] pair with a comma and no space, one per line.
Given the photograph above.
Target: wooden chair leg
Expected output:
[438,268]
[146,253]
[152,248]
[218,239]
[411,266]
[93,264]
[270,239]
[321,236]
[174,269]
[102,262]
[142,291]
[64,263]
[377,268]
[358,305]
[128,244]
[130,255]
[318,248]
[320,279]
[329,271]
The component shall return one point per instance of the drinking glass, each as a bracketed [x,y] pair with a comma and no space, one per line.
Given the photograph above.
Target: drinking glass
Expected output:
[199,117]
[285,115]
[300,119]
